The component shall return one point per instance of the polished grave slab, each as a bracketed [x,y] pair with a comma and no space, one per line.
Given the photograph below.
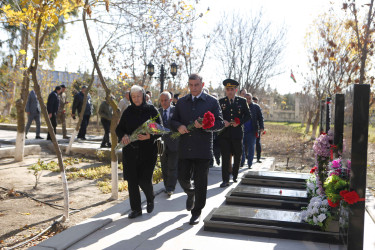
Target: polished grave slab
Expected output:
[266,222]
[281,198]
[275,179]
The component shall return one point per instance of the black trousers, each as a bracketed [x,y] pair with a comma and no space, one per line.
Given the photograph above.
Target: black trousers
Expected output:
[198,168]
[228,148]
[54,125]
[83,128]
[138,171]
[106,125]
[169,161]
[216,149]
[258,147]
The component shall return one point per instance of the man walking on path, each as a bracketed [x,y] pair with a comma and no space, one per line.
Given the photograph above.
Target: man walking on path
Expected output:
[235,113]
[33,113]
[169,158]
[61,116]
[52,108]
[258,146]
[251,129]
[77,106]
[195,149]
[105,112]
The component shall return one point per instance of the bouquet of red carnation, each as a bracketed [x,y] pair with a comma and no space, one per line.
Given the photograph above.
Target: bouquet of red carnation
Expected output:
[148,127]
[208,121]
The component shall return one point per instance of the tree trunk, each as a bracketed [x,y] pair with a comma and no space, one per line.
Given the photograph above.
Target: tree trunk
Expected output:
[21,103]
[43,108]
[308,123]
[116,112]
[315,124]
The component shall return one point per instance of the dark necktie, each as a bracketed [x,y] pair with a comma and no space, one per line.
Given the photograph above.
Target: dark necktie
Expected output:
[231,101]
[165,118]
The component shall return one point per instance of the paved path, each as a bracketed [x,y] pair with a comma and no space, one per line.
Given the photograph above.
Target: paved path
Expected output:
[167,228]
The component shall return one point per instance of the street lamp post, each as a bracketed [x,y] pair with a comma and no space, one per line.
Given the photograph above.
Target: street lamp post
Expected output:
[162,77]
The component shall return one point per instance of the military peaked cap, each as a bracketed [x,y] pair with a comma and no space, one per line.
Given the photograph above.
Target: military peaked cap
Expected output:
[230,83]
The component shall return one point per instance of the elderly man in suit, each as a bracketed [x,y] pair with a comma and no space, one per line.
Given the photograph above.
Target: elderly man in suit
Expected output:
[169,158]
[53,107]
[195,148]
[33,113]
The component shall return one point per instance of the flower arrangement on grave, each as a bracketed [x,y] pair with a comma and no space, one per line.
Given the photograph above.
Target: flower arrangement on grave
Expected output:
[148,127]
[208,121]
[322,150]
[317,213]
[311,186]
[337,184]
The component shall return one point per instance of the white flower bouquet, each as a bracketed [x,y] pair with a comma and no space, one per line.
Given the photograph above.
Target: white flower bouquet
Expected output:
[317,213]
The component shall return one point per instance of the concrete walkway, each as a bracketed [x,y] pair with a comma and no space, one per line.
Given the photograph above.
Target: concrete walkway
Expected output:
[167,227]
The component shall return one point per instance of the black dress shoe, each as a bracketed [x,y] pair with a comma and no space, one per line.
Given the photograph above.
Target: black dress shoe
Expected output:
[190,202]
[194,219]
[224,184]
[150,207]
[234,179]
[38,137]
[66,137]
[258,161]
[134,214]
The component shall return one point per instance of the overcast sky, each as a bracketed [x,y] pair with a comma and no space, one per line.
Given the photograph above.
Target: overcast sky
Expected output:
[297,15]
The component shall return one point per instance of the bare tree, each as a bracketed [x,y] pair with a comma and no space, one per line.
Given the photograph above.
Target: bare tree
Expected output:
[250,50]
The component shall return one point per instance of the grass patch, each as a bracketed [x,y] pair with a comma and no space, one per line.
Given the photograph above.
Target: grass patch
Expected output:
[106,186]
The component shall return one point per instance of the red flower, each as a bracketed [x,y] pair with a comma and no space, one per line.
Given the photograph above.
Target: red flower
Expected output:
[208,120]
[237,120]
[152,125]
[331,204]
[350,197]
[313,170]
[264,132]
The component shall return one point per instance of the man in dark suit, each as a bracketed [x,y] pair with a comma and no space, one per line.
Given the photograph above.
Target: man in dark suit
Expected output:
[33,113]
[195,148]
[53,107]
[235,113]
[252,127]
[169,158]
[77,106]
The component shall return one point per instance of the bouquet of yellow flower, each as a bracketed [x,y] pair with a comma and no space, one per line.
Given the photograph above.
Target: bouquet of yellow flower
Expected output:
[148,127]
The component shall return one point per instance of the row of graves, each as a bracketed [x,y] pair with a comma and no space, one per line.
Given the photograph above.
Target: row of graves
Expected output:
[326,205]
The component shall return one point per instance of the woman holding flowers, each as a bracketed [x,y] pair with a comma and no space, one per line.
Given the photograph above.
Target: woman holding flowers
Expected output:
[138,158]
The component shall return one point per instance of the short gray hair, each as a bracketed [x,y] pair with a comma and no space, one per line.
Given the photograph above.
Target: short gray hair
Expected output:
[195,76]
[167,94]
[136,88]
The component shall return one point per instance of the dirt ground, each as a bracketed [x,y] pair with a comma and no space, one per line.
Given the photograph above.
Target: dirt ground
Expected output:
[22,217]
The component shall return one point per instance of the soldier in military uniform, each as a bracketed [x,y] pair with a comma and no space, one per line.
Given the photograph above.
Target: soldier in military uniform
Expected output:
[235,113]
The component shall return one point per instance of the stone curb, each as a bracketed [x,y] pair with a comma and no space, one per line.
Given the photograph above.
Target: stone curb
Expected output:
[43,129]
[78,232]
[9,152]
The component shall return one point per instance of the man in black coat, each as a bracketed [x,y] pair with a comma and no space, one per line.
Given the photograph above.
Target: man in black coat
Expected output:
[53,107]
[235,113]
[77,106]
[169,158]
[252,127]
[195,148]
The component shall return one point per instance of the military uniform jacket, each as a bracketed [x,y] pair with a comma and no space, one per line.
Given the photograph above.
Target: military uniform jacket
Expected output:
[239,109]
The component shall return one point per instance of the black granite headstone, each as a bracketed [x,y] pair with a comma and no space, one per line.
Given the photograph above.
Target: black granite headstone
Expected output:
[328,114]
[339,122]
[322,116]
[355,145]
